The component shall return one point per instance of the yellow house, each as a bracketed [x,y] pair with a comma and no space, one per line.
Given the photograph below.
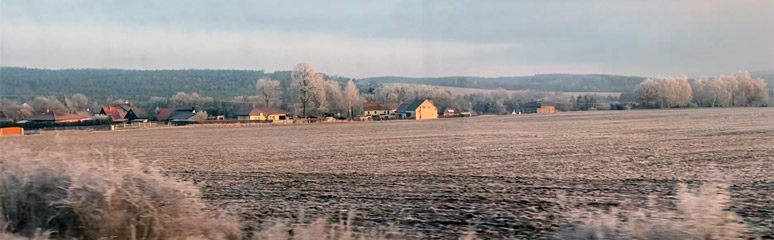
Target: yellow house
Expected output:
[261,114]
[419,109]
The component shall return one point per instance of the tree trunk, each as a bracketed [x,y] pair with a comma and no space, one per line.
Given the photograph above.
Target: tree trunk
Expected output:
[304,109]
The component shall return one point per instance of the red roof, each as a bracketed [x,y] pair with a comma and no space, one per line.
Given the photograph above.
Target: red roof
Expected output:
[113,112]
[56,116]
[164,114]
[371,106]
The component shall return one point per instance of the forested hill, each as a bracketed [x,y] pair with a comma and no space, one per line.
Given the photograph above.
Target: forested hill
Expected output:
[104,84]
[549,82]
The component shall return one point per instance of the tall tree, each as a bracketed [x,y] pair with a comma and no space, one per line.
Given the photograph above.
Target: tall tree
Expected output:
[352,98]
[268,90]
[305,83]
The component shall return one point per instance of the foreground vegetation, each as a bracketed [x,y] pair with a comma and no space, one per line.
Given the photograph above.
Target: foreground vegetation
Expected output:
[569,175]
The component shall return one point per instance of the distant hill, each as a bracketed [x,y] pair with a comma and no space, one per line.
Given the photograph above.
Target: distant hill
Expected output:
[547,82]
[103,84]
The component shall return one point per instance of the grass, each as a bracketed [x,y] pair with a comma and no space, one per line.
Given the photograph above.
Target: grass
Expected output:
[701,213]
[68,196]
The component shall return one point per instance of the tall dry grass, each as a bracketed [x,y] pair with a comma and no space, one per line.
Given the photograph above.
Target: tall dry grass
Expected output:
[700,213]
[95,196]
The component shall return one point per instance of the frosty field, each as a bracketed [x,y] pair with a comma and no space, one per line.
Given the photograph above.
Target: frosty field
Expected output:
[497,176]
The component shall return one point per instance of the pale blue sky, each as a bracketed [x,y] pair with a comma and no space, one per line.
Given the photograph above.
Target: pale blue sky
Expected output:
[404,38]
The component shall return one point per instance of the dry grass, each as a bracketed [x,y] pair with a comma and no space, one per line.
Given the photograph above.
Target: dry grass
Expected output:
[701,213]
[495,176]
[67,196]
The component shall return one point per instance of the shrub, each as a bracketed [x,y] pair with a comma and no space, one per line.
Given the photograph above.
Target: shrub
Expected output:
[701,213]
[94,196]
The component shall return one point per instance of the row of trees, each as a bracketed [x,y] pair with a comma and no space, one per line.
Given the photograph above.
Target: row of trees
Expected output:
[737,89]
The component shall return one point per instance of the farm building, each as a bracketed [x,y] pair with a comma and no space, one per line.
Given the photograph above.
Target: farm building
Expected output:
[447,112]
[56,116]
[418,109]
[537,107]
[125,112]
[176,115]
[11,131]
[371,109]
[253,113]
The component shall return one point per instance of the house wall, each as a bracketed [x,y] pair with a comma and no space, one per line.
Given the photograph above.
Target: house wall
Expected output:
[378,112]
[546,109]
[276,117]
[9,131]
[426,111]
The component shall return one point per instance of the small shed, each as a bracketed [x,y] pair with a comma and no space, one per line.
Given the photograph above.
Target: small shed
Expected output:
[11,131]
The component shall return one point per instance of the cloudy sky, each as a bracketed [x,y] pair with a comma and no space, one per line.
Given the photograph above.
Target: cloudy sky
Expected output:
[404,38]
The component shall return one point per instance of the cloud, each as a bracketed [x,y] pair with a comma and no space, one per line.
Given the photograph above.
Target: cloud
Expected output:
[63,46]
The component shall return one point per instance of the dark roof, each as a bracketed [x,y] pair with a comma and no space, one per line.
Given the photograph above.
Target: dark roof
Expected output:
[371,106]
[533,104]
[182,114]
[55,115]
[410,106]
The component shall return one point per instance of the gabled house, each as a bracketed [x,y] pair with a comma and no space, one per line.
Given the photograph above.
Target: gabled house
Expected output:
[56,116]
[177,115]
[418,109]
[375,110]
[253,113]
[125,112]
[537,107]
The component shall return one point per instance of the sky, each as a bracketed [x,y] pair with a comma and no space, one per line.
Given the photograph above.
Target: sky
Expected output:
[395,38]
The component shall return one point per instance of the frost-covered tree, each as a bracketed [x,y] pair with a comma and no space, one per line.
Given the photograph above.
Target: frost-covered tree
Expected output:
[269,91]
[79,102]
[335,102]
[352,98]
[308,87]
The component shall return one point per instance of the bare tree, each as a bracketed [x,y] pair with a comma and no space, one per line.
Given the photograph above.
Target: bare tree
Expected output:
[352,98]
[335,102]
[666,91]
[44,104]
[305,81]
[647,92]
[268,90]
[80,102]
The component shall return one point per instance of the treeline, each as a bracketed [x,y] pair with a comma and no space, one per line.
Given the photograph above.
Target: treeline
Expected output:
[738,89]
[107,85]
[540,82]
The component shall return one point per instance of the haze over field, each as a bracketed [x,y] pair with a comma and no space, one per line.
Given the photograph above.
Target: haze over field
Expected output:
[403,38]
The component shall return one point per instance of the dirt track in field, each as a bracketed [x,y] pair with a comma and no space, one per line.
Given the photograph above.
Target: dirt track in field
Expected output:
[497,176]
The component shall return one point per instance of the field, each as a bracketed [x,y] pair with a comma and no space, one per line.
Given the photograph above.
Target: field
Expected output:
[496,176]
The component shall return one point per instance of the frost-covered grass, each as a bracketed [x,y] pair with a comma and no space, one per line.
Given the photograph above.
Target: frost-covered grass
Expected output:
[701,213]
[492,176]
[65,195]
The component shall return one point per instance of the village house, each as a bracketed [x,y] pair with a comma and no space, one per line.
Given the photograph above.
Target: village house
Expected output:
[537,107]
[253,113]
[125,112]
[55,116]
[447,112]
[180,115]
[375,110]
[419,109]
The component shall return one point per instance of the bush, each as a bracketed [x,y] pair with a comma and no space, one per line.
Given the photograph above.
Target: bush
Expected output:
[97,196]
[701,213]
